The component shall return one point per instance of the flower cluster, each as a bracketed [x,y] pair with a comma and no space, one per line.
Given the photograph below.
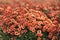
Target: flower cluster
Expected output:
[37,17]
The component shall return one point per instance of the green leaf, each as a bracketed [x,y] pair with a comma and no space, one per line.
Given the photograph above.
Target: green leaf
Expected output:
[45,35]
[17,38]
[59,17]
[46,11]
[27,36]
[4,36]
[58,38]
[0,13]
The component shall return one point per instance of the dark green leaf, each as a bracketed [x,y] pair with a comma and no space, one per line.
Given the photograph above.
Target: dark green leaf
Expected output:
[0,13]
[58,38]
[46,11]
[58,17]
[45,35]
[28,36]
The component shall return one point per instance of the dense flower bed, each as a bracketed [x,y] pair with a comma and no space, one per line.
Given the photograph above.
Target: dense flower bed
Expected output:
[31,21]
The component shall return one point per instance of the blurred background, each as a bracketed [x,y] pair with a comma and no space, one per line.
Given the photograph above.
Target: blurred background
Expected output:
[18,1]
